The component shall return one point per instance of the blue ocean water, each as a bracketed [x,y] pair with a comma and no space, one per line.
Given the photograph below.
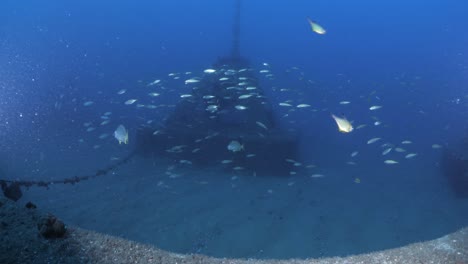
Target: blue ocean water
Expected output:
[409,58]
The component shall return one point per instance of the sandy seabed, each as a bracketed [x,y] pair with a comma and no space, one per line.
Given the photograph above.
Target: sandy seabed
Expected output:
[22,243]
[198,212]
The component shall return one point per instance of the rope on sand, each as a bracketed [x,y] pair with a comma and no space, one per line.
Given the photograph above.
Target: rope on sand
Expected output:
[11,188]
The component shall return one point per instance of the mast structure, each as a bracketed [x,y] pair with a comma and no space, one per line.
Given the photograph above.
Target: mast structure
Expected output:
[236,30]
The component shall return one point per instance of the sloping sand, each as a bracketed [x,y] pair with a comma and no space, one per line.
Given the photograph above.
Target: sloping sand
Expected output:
[22,243]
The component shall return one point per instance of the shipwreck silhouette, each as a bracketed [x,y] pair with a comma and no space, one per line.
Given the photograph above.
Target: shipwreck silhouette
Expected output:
[196,134]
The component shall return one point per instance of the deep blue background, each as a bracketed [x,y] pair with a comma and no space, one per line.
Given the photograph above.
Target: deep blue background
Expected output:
[410,56]
[413,53]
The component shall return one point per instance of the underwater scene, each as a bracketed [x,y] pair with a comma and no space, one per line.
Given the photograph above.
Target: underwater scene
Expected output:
[241,130]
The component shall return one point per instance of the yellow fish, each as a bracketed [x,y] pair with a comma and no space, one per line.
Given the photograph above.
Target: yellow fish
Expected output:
[316,27]
[343,124]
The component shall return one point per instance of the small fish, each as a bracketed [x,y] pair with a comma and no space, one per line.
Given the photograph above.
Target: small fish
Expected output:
[260,124]
[235,146]
[410,155]
[121,134]
[212,135]
[195,150]
[176,149]
[191,81]
[105,122]
[103,136]
[240,107]
[212,108]
[354,154]
[386,151]
[88,103]
[230,72]
[173,175]
[317,176]
[316,27]
[226,161]
[406,142]
[153,94]
[121,91]
[188,162]
[302,105]
[344,102]
[130,101]
[208,97]
[377,123]
[343,124]
[373,140]
[185,95]
[223,79]
[357,180]
[436,146]
[285,104]
[245,96]
[375,107]
[400,150]
[154,82]
[209,71]
[390,162]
